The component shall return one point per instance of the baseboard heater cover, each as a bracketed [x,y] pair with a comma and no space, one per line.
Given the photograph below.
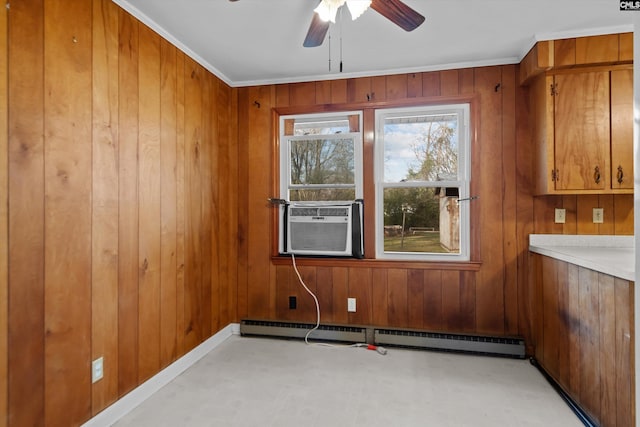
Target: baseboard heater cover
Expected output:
[277,329]
[494,346]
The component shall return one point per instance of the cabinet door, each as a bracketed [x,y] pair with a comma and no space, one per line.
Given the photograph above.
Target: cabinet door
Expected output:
[581,114]
[622,129]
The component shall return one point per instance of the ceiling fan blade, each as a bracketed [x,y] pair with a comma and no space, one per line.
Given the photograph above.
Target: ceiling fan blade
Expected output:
[317,31]
[398,13]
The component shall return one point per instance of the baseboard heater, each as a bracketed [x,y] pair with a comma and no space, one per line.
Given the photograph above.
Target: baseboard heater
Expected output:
[494,346]
[276,329]
[459,343]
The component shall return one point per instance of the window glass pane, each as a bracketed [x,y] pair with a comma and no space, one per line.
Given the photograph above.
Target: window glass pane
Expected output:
[421,148]
[421,219]
[320,127]
[323,195]
[322,161]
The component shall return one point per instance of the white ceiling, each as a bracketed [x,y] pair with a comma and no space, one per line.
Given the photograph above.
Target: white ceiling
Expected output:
[254,42]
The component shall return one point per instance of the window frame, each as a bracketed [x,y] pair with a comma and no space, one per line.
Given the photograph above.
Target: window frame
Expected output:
[463,183]
[285,184]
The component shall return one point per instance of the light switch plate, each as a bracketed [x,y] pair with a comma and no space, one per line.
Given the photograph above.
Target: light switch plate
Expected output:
[598,215]
[97,369]
[561,216]
[351,305]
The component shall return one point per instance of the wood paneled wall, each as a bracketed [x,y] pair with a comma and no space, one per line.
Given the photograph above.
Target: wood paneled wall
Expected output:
[584,337]
[618,214]
[4,242]
[122,166]
[490,300]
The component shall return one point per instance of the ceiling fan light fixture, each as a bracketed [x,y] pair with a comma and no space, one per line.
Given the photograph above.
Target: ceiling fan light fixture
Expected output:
[357,7]
[328,9]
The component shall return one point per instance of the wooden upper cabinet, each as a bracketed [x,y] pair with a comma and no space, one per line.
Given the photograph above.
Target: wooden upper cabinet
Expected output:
[583,131]
[581,117]
[622,129]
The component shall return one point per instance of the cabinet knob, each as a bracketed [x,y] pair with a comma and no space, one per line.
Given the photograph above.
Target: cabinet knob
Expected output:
[620,175]
[596,175]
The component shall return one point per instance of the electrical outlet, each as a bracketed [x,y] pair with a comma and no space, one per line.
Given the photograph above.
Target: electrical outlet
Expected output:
[97,369]
[598,215]
[351,305]
[293,303]
[561,216]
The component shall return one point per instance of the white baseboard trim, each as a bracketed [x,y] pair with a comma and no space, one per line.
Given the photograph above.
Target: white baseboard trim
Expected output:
[128,402]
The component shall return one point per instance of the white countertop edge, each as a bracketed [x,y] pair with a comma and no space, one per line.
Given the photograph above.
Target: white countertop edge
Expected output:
[612,255]
[582,240]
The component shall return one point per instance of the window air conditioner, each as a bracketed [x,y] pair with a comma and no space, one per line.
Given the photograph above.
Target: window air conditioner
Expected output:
[319,229]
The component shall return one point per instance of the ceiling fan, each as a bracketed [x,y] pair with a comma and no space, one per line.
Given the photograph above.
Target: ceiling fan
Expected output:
[394,10]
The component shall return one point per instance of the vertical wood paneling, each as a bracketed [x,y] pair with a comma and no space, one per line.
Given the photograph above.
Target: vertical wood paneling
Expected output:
[575,339]
[586,337]
[230,201]
[323,92]
[563,321]
[397,297]
[449,84]
[100,190]
[618,214]
[525,211]
[302,93]
[451,307]
[624,349]
[607,345]
[283,291]
[128,206]
[359,89]
[324,292]
[104,291]
[26,215]
[589,339]
[432,300]
[223,231]
[415,298]
[193,203]
[379,297]
[206,213]
[550,326]
[181,205]
[623,214]
[338,91]
[149,200]
[360,288]
[258,191]
[414,85]
[4,220]
[490,301]
[243,204]
[67,129]
[340,294]
[378,89]
[510,197]
[396,87]
[431,83]
[168,203]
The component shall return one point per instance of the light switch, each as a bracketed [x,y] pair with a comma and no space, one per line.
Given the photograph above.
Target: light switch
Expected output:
[598,215]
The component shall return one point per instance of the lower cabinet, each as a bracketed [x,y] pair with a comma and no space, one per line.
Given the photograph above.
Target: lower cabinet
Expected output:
[583,331]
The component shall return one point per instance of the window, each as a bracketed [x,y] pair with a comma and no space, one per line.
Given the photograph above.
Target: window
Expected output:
[422,175]
[321,157]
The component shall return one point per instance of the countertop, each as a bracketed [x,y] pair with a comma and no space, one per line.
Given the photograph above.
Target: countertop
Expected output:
[612,255]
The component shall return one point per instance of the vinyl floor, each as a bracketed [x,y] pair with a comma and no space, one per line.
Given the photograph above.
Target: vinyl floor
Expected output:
[264,382]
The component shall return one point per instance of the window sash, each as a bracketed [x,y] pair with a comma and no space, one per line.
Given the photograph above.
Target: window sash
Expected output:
[462,183]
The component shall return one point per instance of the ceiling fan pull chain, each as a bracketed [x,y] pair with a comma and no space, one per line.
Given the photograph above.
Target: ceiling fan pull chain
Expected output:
[341,38]
[329,50]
